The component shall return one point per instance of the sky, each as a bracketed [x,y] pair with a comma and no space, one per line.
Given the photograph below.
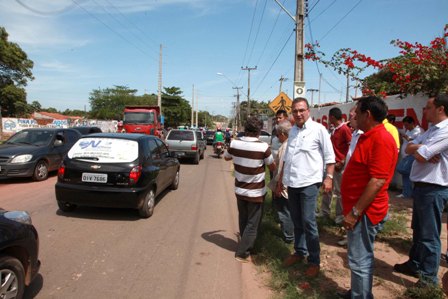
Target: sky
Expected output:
[78,46]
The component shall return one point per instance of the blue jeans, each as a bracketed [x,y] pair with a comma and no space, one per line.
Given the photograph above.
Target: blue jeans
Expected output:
[360,256]
[407,185]
[424,256]
[302,206]
[282,207]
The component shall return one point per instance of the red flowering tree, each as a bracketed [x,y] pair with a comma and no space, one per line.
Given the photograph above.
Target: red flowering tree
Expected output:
[419,68]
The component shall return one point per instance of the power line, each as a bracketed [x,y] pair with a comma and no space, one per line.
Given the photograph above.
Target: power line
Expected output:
[123,24]
[110,28]
[331,4]
[130,21]
[313,7]
[270,34]
[281,51]
[258,31]
[329,84]
[250,33]
[337,23]
[46,13]
[312,40]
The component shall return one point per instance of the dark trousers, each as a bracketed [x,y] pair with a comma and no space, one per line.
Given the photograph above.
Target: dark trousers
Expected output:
[249,216]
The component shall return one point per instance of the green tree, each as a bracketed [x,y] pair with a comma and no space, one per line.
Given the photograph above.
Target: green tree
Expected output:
[109,103]
[176,110]
[35,106]
[172,91]
[50,110]
[15,71]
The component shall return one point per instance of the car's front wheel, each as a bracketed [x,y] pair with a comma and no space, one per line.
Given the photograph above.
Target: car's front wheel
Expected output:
[12,277]
[149,202]
[66,206]
[40,171]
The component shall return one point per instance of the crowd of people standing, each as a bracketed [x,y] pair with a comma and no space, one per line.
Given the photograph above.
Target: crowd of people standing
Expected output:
[354,163]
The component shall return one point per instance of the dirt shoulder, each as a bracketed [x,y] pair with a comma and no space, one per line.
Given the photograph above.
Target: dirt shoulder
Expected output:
[389,250]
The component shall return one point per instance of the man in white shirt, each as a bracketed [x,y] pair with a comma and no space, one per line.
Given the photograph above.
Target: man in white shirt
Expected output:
[309,151]
[430,194]
[412,131]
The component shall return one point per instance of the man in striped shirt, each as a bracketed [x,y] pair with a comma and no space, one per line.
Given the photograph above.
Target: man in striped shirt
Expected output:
[250,156]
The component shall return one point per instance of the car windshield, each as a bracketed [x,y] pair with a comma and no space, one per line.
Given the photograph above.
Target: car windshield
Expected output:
[104,150]
[32,137]
[181,135]
[138,118]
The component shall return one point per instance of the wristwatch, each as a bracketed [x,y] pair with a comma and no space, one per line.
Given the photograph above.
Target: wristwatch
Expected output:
[330,176]
[355,211]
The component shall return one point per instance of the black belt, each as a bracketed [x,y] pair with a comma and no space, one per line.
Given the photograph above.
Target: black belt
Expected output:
[423,185]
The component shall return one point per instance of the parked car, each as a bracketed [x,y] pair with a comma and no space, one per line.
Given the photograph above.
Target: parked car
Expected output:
[264,136]
[116,170]
[35,152]
[19,253]
[201,138]
[210,135]
[87,130]
[186,144]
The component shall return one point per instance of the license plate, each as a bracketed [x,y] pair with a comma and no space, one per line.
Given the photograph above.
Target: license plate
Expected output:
[180,154]
[94,177]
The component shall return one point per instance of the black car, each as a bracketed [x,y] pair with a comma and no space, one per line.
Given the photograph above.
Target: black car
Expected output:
[87,130]
[210,136]
[19,251]
[116,170]
[35,152]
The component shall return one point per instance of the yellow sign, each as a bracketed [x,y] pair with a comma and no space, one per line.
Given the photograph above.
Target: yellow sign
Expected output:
[281,102]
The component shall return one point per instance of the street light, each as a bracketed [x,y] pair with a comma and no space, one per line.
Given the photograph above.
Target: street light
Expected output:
[237,112]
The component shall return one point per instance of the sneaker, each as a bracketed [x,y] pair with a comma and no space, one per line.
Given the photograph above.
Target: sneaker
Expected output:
[243,260]
[400,196]
[405,269]
[292,259]
[312,271]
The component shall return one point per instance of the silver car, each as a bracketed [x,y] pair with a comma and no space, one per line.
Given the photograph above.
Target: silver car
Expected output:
[187,144]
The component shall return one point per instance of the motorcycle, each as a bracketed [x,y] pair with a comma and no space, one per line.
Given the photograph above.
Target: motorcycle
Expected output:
[219,149]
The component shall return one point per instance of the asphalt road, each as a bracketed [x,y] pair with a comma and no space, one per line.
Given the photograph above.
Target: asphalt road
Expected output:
[185,250]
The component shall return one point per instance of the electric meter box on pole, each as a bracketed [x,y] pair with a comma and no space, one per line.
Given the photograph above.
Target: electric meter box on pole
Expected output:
[299,89]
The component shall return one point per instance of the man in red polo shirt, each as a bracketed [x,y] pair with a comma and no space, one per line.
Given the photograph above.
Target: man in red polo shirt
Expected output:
[364,191]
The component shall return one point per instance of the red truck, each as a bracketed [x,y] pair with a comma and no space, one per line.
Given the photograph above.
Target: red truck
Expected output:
[142,119]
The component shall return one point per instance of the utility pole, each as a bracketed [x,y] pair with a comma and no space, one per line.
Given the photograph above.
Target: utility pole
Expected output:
[281,81]
[238,120]
[248,69]
[298,70]
[197,109]
[159,95]
[299,83]
[312,90]
[192,107]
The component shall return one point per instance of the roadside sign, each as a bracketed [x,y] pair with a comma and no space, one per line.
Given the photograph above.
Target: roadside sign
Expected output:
[281,102]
